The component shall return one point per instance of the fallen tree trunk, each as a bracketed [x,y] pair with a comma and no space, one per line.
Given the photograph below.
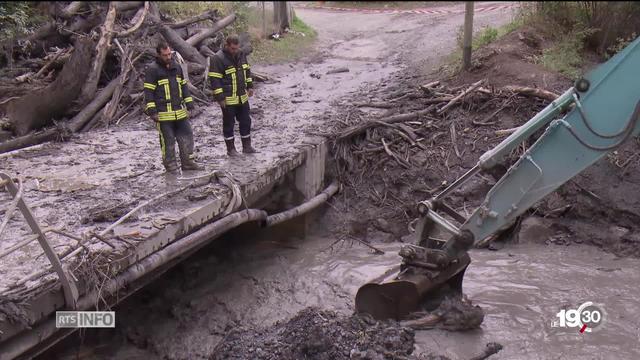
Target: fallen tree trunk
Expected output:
[140,19]
[185,49]
[127,5]
[73,8]
[29,140]
[207,15]
[36,109]
[528,91]
[196,39]
[94,106]
[106,31]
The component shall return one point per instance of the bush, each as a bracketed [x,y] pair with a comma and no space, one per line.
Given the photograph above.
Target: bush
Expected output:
[17,18]
[608,21]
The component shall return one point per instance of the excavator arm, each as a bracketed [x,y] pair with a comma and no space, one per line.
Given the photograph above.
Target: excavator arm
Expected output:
[588,121]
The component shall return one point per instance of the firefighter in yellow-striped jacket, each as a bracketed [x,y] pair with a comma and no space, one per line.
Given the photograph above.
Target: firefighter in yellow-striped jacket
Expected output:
[167,102]
[230,76]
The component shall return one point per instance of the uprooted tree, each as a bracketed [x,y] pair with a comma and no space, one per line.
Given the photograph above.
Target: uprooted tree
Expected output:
[85,65]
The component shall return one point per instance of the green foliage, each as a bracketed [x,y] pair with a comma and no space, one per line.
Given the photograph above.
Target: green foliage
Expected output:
[565,56]
[620,44]
[485,37]
[181,10]
[17,18]
[291,46]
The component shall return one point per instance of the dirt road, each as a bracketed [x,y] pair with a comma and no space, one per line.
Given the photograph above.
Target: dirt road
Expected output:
[254,281]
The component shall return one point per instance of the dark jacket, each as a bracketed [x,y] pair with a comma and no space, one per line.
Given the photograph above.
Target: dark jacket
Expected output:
[166,92]
[230,77]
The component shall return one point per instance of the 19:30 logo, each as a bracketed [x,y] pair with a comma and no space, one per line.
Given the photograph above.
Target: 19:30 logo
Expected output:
[588,317]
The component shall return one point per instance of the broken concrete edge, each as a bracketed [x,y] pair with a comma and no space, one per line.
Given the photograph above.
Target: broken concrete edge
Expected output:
[308,166]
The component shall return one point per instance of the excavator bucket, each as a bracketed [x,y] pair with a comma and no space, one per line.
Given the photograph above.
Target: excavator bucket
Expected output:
[418,284]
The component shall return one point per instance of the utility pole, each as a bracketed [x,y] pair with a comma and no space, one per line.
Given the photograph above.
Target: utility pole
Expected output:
[468,35]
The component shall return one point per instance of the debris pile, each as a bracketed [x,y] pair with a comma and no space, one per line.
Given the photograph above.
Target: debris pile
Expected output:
[320,334]
[84,67]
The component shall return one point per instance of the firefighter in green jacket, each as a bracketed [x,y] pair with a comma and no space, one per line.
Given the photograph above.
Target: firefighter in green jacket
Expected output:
[168,102]
[230,76]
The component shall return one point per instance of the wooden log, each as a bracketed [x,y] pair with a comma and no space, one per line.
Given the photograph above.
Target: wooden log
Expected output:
[183,47]
[73,8]
[139,22]
[106,34]
[36,109]
[528,91]
[29,140]
[361,128]
[122,6]
[80,120]
[196,39]
[207,15]
[461,96]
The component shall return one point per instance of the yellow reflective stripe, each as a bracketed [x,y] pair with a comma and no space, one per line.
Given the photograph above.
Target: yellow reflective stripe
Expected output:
[184,81]
[163,148]
[249,80]
[231,70]
[217,91]
[245,75]
[181,114]
[167,92]
[169,107]
[231,100]
[149,86]
[244,98]
[245,66]
[215,75]
[163,82]
[188,100]
[234,91]
[150,105]
[179,80]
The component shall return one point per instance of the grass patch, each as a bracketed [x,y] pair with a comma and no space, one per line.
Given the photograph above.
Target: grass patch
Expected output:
[484,37]
[566,55]
[290,47]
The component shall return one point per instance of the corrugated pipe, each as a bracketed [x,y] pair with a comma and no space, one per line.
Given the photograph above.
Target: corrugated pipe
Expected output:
[20,344]
[303,208]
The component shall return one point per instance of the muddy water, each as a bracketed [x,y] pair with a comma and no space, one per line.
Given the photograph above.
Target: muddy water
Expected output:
[254,282]
[522,287]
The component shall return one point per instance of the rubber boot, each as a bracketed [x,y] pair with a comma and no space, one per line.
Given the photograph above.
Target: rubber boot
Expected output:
[171,166]
[246,146]
[231,148]
[189,164]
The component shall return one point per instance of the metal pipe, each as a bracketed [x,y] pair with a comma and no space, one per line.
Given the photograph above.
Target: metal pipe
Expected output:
[18,345]
[303,208]
[456,184]
[444,223]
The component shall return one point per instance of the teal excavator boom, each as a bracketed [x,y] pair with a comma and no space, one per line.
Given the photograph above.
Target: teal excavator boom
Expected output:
[594,117]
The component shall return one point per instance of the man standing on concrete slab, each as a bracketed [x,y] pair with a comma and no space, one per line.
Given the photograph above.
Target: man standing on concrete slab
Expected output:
[230,76]
[168,101]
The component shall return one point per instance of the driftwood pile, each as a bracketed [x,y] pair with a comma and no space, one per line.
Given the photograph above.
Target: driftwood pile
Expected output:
[403,146]
[85,66]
